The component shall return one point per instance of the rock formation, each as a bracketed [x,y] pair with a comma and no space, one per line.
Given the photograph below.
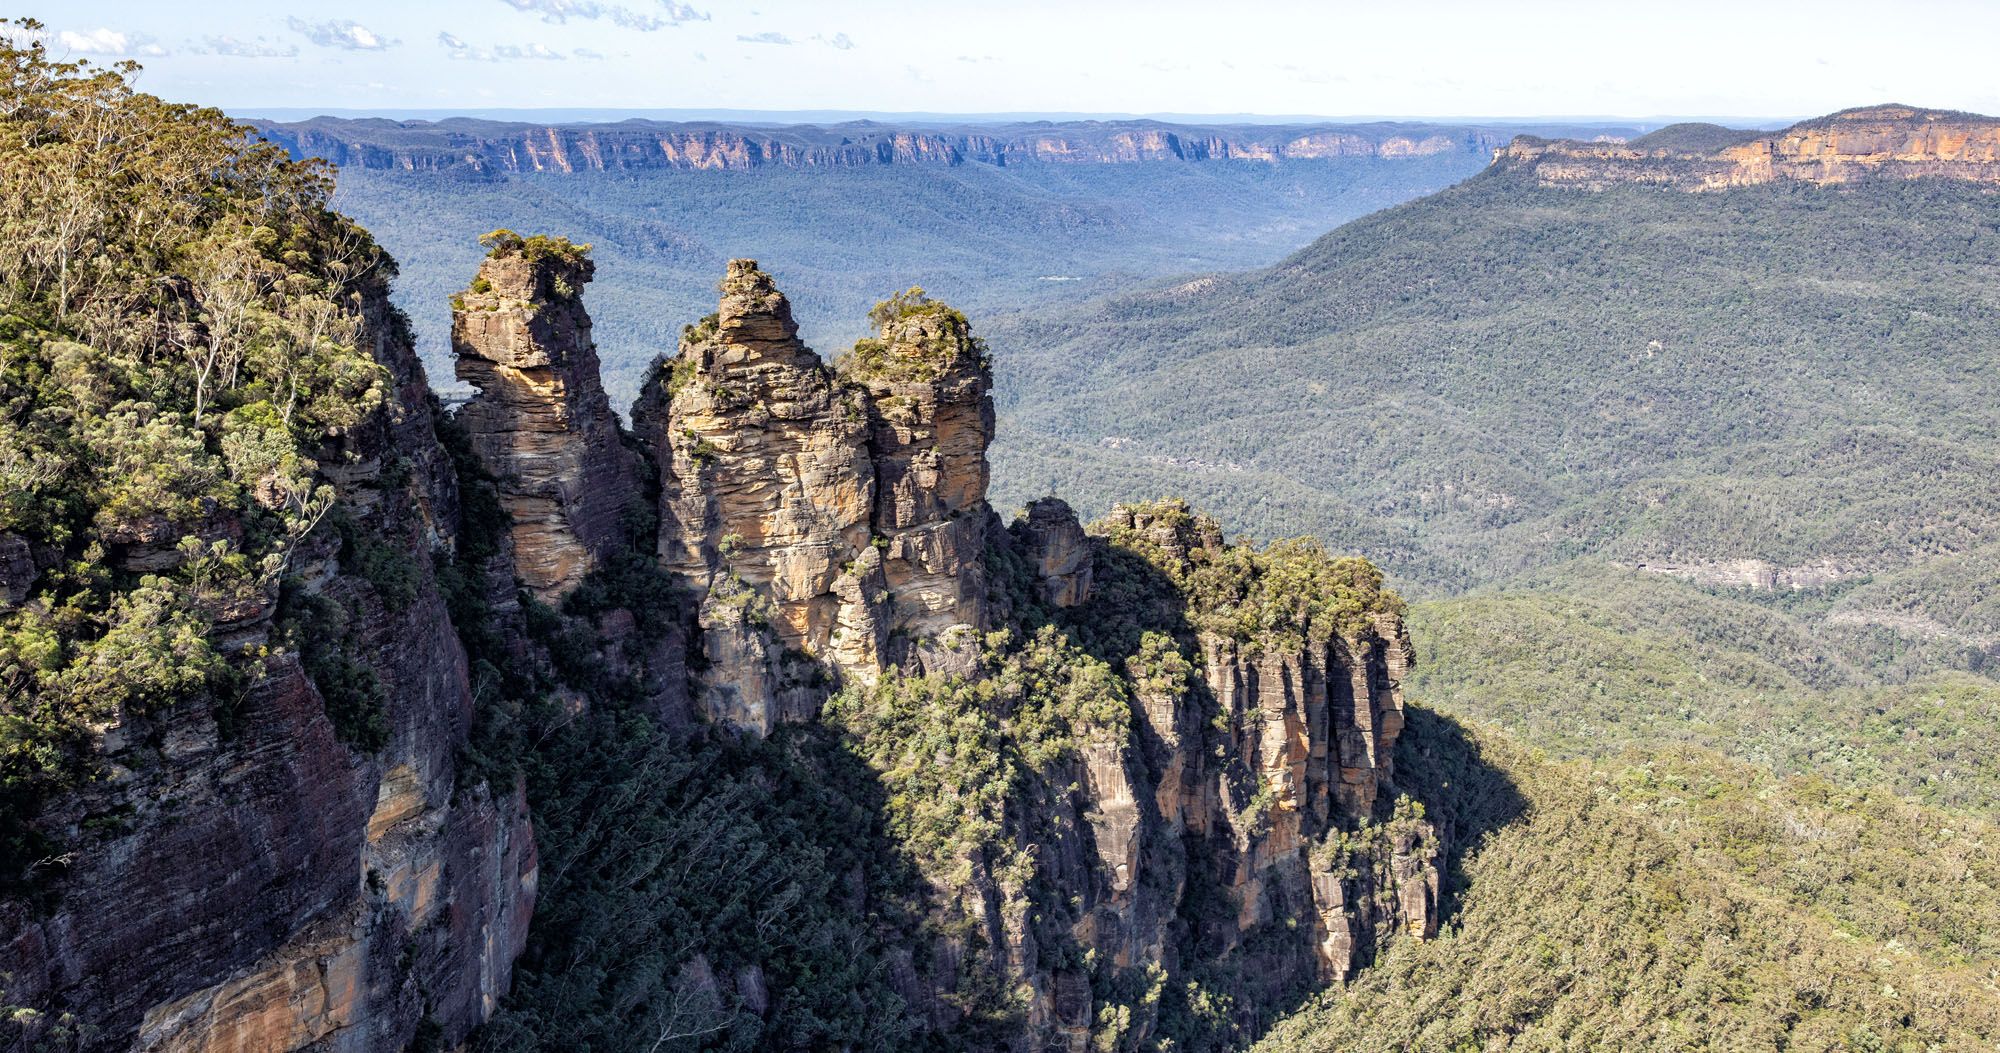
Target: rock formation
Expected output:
[832,523]
[927,379]
[1873,142]
[488,147]
[1224,798]
[541,421]
[255,883]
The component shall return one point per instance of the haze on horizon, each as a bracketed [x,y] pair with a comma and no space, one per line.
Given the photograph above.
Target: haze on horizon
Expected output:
[1422,58]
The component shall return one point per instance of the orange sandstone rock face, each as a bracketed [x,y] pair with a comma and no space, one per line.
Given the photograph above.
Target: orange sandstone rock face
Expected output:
[1875,142]
[541,422]
[832,524]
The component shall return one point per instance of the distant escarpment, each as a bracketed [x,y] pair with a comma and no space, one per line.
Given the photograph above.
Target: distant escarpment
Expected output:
[1872,142]
[498,147]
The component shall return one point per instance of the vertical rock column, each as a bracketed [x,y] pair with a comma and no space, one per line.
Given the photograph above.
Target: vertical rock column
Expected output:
[541,422]
[766,489]
[928,384]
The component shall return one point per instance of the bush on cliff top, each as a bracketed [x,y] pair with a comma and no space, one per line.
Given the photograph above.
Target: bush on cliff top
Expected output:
[908,352]
[178,324]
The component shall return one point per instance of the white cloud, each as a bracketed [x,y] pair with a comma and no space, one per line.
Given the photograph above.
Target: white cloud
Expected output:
[234,48]
[672,13]
[110,43]
[764,38]
[458,49]
[587,53]
[343,33]
[838,41]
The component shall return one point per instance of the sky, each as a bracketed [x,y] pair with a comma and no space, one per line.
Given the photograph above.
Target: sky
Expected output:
[1414,58]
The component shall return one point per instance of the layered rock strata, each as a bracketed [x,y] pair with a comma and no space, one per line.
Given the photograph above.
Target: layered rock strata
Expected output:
[491,147]
[243,879]
[540,421]
[1869,143]
[832,523]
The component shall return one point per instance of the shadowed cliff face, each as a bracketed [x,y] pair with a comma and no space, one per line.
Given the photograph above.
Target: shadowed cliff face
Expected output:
[1875,142]
[245,880]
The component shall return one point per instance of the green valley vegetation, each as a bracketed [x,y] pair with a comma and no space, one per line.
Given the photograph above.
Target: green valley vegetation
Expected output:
[986,238]
[1501,377]
[177,346]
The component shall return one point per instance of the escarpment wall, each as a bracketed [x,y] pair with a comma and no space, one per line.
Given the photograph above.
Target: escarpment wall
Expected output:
[488,147]
[1870,143]
[245,879]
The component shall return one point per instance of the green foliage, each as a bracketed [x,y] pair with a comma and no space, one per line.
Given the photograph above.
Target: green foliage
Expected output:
[1502,377]
[535,248]
[1684,902]
[179,317]
[920,338]
[356,702]
[1620,661]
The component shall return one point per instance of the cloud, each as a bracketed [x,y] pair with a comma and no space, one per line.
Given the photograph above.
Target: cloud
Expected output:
[343,33]
[234,48]
[459,49]
[587,53]
[110,43]
[671,13]
[838,41]
[764,38]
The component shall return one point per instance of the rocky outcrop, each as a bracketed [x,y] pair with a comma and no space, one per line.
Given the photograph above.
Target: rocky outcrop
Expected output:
[927,380]
[833,523]
[1870,143]
[245,879]
[490,147]
[540,421]
[1060,552]
[1307,727]
[766,496]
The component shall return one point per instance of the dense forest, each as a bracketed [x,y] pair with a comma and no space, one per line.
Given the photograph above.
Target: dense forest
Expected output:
[979,236]
[1784,373]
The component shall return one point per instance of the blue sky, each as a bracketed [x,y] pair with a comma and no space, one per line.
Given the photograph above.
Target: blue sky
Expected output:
[1390,57]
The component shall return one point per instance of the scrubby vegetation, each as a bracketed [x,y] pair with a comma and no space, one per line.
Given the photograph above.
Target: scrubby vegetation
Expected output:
[1501,377]
[1684,901]
[178,318]
[920,339]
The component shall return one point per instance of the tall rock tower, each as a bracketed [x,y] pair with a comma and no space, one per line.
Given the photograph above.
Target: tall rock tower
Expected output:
[832,522]
[541,421]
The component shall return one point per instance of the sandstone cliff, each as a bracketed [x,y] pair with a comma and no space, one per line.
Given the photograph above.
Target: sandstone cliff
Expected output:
[488,147]
[251,878]
[1873,142]
[541,422]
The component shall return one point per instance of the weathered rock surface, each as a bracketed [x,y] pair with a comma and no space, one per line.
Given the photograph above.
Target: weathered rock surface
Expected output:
[1873,142]
[927,383]
[766,494]
[541,421]
[264,886]
[1060,550]
[494,147]
[833,523]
